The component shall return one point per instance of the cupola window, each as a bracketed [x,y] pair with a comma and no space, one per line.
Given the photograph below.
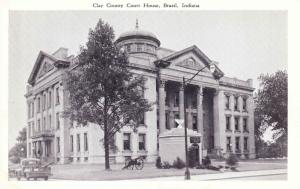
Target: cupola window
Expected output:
[139,47]
[128,48]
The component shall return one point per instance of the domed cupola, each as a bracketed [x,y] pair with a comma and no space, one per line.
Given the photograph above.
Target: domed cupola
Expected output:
[138,41]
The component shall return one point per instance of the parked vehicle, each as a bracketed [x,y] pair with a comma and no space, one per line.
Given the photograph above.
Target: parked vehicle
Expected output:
[33,168]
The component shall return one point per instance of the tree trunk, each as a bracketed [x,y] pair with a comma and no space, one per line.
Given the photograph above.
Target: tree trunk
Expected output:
[106,143]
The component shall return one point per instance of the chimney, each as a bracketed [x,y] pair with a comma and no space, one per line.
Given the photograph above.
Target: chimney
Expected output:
[61,53]
[250,82]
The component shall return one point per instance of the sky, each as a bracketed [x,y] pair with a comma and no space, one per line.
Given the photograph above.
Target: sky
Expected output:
[245,43]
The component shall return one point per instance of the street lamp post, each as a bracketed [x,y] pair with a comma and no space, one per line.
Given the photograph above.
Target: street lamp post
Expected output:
[184,83]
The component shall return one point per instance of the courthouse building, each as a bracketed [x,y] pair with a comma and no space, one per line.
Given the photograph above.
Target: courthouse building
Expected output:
[220,109]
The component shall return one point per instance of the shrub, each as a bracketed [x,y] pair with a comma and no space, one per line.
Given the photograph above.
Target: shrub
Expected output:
[158,163]
[206,161]
[166,165]
[210,167]
[200,167]
[178,163]
[232,160]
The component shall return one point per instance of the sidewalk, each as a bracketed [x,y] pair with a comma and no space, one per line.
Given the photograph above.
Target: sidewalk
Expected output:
[224,175]
[97,172]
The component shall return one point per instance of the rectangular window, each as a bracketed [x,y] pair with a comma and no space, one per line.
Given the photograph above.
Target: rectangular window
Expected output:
[139,47]
[50,122]
[78,142]
[245,143]
[236,124]
[142,121]
[57,144]
[195,128]
[57,121]
[32,127]
[176,100]
[227,102]
[72,143]
[39,124]
[71,124]
[237,143]
[29,150]
[50,99]
[57,96]
[32,110]
[212,142]
[194,102]
[228,123]
[44,101]
[29,129]
[44,123]
[245,126]
[28,110]
[228,144]
[126,141]
[236,103]
[142,141]
[167,121]
[128,48]
[39,105]
[244,104]
[176,116]
[86,146]
[167,99]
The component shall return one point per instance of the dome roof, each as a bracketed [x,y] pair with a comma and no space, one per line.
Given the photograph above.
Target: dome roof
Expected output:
[138,34]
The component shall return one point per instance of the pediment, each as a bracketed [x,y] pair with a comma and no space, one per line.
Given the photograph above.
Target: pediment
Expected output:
[190,62]
[46,67]
[191,58]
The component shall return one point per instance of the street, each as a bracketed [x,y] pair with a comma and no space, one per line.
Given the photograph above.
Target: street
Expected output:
[264,177]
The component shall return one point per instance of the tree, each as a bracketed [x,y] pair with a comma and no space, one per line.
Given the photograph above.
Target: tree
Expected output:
[19,150]
[271,108]
[101,88]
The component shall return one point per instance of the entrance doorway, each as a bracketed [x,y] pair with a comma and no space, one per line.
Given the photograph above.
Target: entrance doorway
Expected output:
[194,157]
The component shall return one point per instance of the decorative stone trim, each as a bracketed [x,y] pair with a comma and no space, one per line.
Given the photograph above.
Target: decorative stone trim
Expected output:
[228,130]
[162,83]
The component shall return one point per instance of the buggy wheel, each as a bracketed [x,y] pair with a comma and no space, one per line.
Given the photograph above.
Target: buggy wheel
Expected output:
[35,178]
[46,178]
[139,164]
[18,178]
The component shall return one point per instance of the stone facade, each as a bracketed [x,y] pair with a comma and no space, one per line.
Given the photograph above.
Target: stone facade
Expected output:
[220,110]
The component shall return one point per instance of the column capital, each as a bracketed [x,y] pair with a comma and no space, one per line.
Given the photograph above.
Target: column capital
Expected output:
[200,90]
[181,86]
[217,92]
[162,83]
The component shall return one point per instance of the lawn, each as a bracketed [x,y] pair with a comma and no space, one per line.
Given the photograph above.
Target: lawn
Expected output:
[97,172]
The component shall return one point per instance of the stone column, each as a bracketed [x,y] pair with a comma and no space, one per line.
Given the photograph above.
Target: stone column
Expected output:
[162,97]
[240,104]
[43,149]
[251,139]
[200,110]
[219,121]
[231,102]
[171,113]
[242,146]
[181,101]
[232,123]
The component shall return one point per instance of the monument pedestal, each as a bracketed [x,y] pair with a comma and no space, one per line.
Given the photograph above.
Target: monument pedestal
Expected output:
[172,145]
